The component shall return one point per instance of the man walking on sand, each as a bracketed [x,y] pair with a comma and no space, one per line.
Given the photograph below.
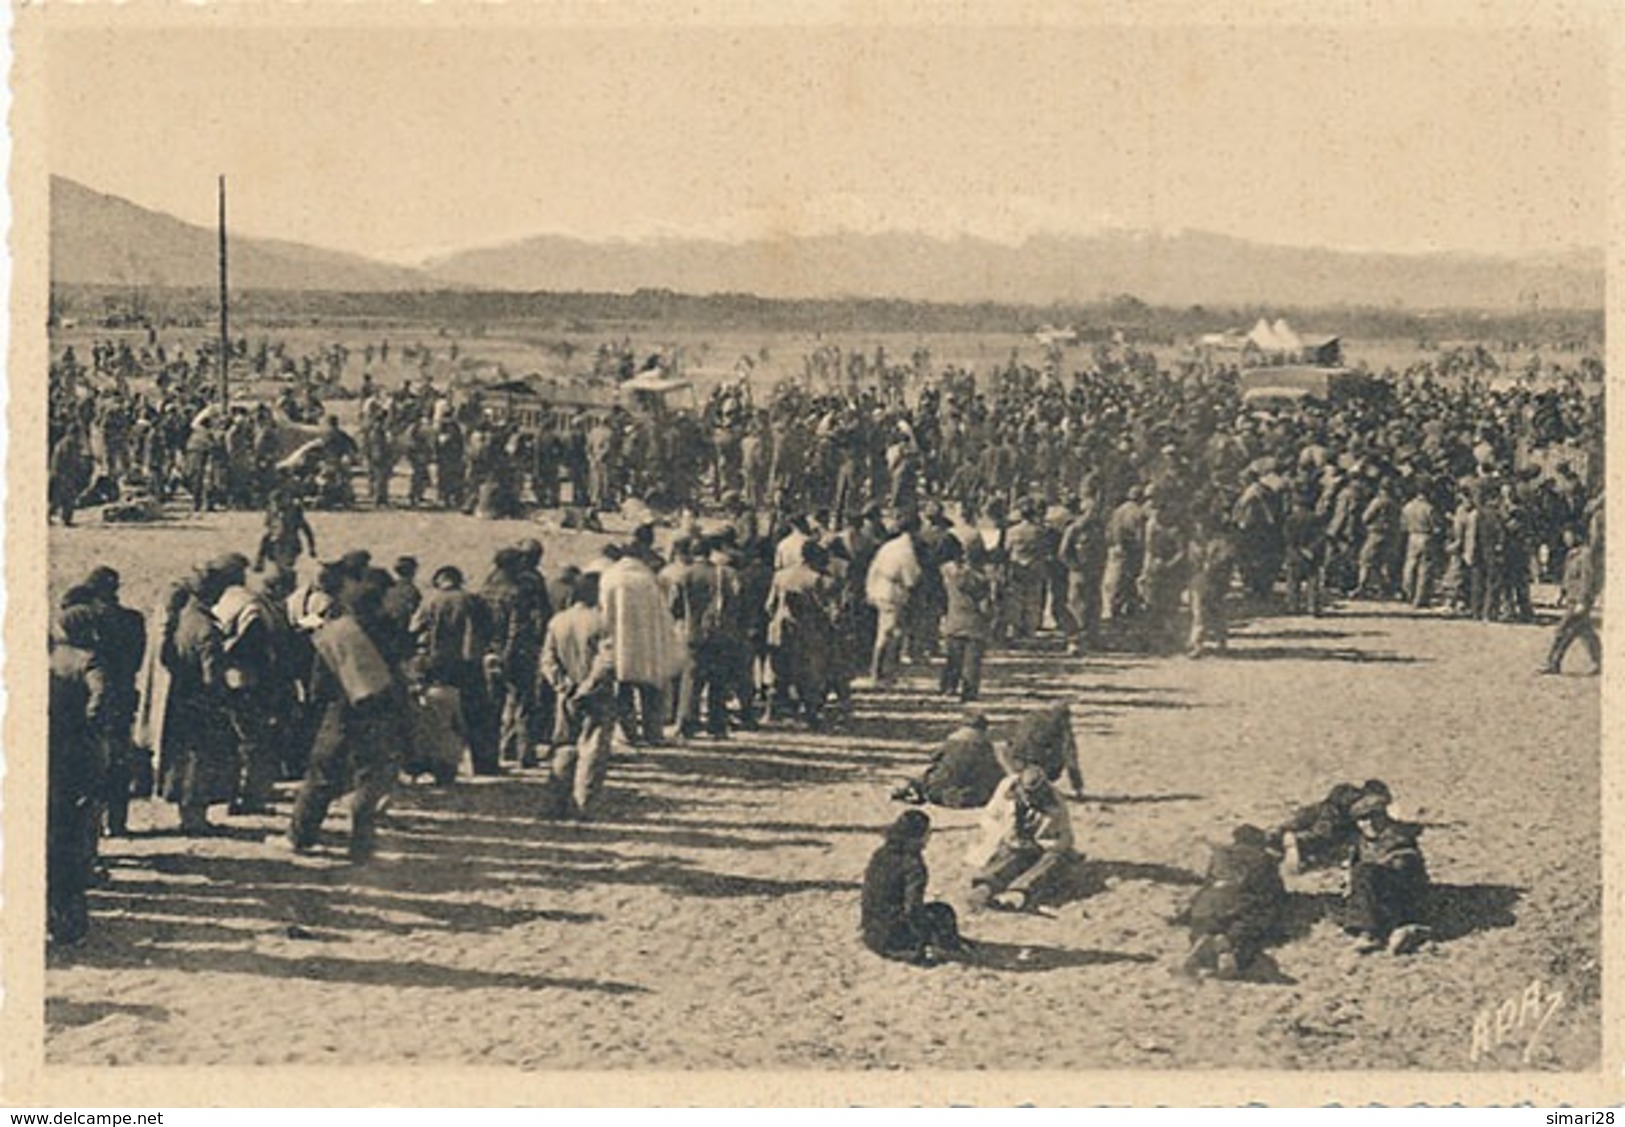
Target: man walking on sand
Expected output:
[1579,595]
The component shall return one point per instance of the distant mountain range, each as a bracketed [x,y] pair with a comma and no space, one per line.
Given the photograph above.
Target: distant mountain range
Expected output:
[102,239]
[98,239]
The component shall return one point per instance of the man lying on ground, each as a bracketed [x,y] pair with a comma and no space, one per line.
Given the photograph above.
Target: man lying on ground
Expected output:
[1323,834]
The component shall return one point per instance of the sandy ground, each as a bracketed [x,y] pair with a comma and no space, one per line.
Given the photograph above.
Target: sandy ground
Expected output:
[707,919]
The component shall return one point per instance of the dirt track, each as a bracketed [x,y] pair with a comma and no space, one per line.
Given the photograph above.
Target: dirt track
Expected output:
[707,919]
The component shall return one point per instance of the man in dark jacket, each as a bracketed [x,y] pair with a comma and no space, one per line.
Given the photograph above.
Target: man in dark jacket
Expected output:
[1388,881]
[896,922]
[121,647]
[963,773]
[453,633]
[1045,740]
[76,741]
[362,703]
[968,623]
[1323,833]
[1238,908]
[1579,595]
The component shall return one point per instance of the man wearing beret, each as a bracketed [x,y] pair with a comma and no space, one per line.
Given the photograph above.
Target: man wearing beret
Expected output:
[1387,883]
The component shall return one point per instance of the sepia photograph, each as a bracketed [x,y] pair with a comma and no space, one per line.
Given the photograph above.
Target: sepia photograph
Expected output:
[749,540]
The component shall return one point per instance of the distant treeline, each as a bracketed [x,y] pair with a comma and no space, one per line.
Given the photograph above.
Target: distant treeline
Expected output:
[469,310]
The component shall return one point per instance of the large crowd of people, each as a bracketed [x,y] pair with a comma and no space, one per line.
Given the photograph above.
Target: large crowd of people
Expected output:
[820,540]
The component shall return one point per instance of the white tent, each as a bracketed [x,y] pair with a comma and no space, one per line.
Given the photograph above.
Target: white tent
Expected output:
[1285,339]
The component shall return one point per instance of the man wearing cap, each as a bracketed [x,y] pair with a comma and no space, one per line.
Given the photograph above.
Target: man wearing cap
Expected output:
[968,623]
[1030,834]
[1579,596]
[361,699]
[252,690]
[1387,881]
[1125,555]
[579,664]
[1030,553]
[75,754]
[403,598]
[121,646]
[452,628]
[200,762]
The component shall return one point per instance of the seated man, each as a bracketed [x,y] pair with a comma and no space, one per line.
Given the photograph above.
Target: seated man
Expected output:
[897,923]
[963,773]
[1238,908]
[1027,835]
[1045,740]
[1323,833]
[1388,881]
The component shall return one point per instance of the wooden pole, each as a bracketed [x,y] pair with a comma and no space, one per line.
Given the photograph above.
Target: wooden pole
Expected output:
[225,338]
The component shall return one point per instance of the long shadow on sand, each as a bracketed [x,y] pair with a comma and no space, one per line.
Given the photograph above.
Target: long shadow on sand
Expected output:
[1452,911]
[1087,877]
[66,1012]
[1317,653]
[1026,958]
[359,972]
[1303,635]
[1140,799]
[1458,910]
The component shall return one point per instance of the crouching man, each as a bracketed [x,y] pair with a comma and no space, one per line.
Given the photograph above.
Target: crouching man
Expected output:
[1238,908]
[1027,837]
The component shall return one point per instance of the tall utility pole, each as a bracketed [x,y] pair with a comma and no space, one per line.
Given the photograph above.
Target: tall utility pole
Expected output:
[225,338]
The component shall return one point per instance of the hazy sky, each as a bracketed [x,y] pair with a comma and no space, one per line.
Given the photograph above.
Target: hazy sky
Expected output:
[399,143]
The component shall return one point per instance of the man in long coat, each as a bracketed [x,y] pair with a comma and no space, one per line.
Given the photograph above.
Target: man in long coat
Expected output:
[648,652]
